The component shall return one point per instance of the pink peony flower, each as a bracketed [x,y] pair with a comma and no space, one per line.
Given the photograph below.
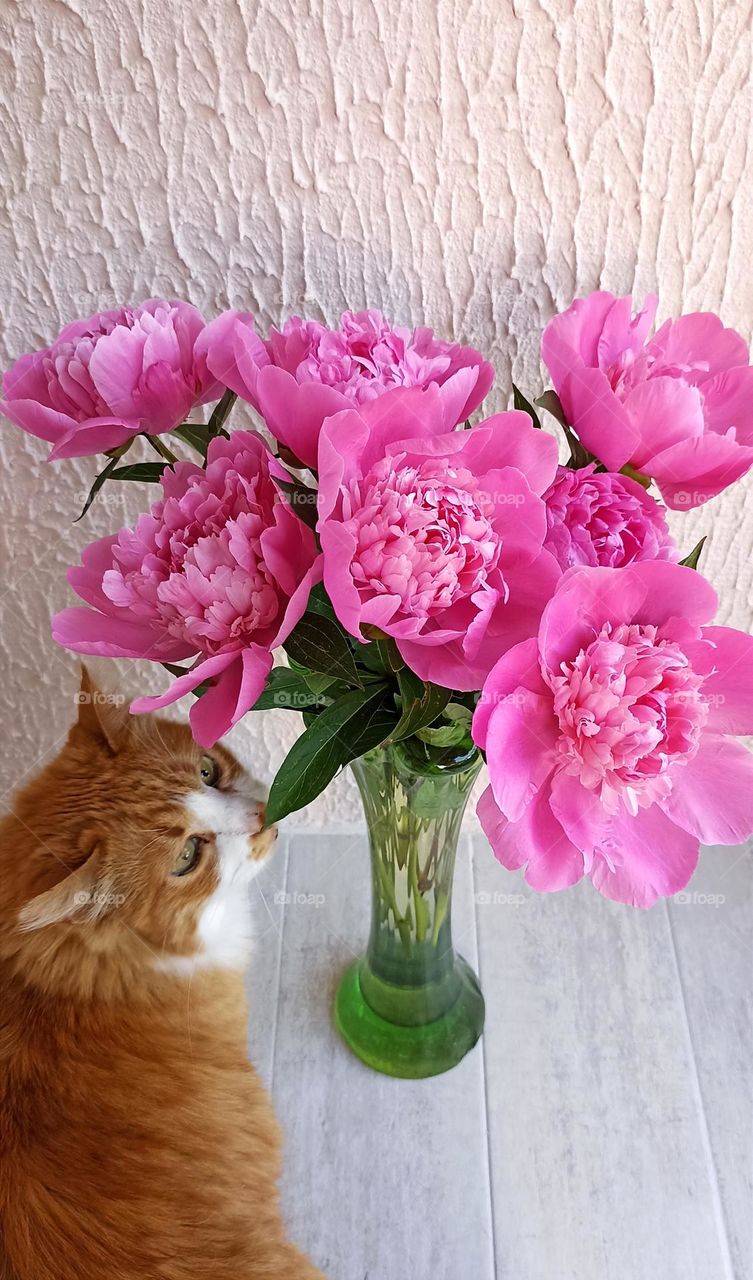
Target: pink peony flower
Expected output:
[220,569]
[106,378]
[435,536]
[608,735]
[307,372]
[679,407]
[603,518]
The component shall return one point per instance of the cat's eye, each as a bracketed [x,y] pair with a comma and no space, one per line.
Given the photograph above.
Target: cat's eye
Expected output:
[209,770]
[189,856]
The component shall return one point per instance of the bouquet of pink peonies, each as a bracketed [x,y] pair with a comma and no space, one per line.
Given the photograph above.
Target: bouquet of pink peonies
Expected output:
[427,578]
[439,589]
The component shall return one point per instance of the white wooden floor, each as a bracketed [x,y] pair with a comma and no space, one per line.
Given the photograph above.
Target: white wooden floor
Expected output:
[601,1130]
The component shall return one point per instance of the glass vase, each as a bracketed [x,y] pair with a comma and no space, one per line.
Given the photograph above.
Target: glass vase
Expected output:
[411,1006]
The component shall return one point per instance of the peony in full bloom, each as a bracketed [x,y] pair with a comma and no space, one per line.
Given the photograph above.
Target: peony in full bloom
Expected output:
[603,518]
[435,536]
[106,378]
[306,372]
[678,406]
[220,570]
[608,735]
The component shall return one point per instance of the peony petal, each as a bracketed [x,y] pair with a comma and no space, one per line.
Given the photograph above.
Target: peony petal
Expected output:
[693,471]
[342,439]
[579,329]
[456,393]
[673,591]
[233,352]
[537,839]
[38,419]
[712,794]
[338,547]
[84,631]
[729,688]
[115,368]
[580,813]
[663,412]
[599,417]
[96,435]
[448,663]
[650,856]
[25,380]
[585,599]
[294,412]
[519,516]
[231,697]
[648,592]
[624,332]
[520,748]
[482,385]
[164,397]
[728,403]
[206,670]
[519,667]
[698,342]
[296,606]
[506,440]
[630,859]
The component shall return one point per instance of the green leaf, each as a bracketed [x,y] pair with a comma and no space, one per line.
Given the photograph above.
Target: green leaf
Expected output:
[381,655]
[421,704]
[301,499]
[519,402]
[457,711]
[319,602]
[551,402]
[353,725]
[195,434]
[454,734]
[579,455]
[320,644]
[445,735]
[149,471]
[691,560]
[319,684]
[100,480]
[288,690]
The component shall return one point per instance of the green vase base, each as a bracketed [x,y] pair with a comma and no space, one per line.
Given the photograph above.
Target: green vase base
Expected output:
[410,1052]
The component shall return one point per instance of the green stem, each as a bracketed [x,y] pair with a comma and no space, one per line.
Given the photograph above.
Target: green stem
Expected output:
[220,412]
[420,904]
[161,448]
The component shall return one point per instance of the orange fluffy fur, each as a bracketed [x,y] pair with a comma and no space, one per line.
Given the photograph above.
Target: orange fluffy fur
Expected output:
[135,1137]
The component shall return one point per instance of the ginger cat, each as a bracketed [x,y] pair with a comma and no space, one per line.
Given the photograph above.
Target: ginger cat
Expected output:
[135,1138]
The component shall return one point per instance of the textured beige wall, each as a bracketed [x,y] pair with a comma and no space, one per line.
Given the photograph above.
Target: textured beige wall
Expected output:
[472,166]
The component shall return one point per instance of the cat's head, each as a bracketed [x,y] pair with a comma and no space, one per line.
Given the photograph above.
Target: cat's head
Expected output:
[136,841]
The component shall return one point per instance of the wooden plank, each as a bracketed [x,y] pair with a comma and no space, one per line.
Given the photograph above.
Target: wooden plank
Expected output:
[712,926]
[599,1170]
[263,977]
[383,1178]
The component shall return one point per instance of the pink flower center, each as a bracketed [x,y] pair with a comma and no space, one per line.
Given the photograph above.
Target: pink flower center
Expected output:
[628,707]
[196,563]
[423,533]
[366,356]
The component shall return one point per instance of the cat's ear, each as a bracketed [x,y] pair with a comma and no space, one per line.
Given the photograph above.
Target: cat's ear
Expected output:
[102,716]
[82,895]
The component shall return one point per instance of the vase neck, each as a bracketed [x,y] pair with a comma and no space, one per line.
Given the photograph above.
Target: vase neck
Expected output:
[414,817]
